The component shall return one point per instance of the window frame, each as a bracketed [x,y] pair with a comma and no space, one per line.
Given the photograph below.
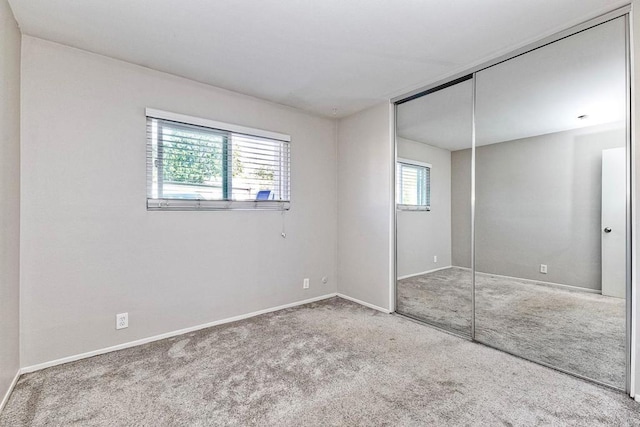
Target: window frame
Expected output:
[427,185]
[227,129]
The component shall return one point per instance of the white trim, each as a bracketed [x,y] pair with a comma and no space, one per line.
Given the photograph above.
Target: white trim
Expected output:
[366,304]
[392,208]
[135,343]
[414,162]
[539,282]
[5,399]
[425,272]
[413,208]
[633,380]
[216,205]
[183,118]
[427,191]
[68,359]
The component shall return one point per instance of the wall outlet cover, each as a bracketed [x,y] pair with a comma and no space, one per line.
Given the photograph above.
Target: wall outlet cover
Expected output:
[122,320]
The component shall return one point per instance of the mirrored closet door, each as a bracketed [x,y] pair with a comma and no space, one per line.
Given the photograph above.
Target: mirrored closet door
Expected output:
[433,177]
[513,205]
[551,204]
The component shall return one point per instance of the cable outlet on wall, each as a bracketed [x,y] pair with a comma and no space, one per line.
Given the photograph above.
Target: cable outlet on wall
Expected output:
[325,279]
[543,268]
[122,320]
[305,284]
[435,258]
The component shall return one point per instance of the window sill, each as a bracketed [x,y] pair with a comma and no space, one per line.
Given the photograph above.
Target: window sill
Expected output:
[413,208]
[216,205]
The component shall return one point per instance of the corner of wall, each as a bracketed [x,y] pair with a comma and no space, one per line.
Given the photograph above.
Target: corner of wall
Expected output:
[364,205]
[10,59]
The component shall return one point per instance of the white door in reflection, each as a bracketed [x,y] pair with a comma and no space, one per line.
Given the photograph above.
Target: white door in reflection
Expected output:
[613,222]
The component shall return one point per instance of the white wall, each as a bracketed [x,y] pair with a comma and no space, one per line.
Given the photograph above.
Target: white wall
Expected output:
[10,196]
[461,208]
[538,201]
[425,234]
[364,205]
[90,249]
[114,284]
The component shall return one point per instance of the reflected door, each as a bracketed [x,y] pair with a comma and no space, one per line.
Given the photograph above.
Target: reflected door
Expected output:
[547,122]
[613,223]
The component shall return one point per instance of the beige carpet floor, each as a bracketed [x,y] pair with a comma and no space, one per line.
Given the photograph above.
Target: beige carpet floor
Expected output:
[579,332]
[331,363]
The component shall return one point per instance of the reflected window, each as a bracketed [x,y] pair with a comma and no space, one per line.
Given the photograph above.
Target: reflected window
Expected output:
[413,182]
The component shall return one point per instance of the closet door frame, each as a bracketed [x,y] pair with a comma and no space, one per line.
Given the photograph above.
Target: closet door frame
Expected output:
[396,158]
[631,313]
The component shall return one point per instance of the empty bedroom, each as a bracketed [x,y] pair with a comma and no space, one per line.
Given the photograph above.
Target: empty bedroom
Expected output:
[349,213]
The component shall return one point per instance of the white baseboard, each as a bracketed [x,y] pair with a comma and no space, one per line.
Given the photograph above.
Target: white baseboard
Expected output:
[5,399]
[540,282]
[135,343]
[366,304]
[39,366]
[424,272]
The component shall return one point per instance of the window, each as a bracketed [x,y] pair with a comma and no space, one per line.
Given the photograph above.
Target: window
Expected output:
[413,185]
[196,163]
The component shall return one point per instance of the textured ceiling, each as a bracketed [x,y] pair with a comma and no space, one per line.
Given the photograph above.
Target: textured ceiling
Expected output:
[330,57]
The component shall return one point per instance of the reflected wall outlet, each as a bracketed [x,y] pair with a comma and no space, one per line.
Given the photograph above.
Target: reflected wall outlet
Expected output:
[543,268]
[435,258]
[305,284]
[122,320]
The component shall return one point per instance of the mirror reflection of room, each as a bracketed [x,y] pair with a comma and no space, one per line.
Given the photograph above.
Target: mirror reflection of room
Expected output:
[550,281]
[551,210]
[433,257]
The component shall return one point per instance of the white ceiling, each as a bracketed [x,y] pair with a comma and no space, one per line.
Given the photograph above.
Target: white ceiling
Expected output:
[540,92]
[441,119]
[315,55]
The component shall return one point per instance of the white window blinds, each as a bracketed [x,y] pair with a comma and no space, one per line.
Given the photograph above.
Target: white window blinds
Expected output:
[413,185]
[195,163]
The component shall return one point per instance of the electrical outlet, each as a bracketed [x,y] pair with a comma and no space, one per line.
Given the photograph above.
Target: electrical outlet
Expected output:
[305,284]
[543,268]
[435,258]
[122,320]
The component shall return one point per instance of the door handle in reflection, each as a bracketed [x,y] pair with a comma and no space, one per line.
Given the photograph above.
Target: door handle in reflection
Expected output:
[607,229]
